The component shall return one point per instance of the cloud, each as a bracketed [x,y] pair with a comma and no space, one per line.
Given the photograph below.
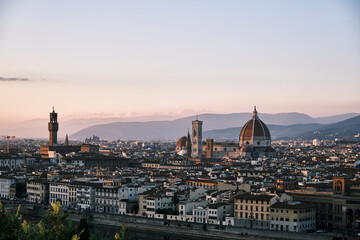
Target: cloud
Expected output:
[3,79]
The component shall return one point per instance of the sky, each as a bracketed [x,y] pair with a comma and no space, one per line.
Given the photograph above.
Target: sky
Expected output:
[114,58]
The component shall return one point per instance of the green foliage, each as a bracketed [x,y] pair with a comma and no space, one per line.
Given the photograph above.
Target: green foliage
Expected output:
[96,235]
[175,200]
[121,236]
[84,230]
[9,224]
[56,227]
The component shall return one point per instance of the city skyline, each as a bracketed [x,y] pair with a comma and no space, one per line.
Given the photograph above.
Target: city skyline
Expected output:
[133,59]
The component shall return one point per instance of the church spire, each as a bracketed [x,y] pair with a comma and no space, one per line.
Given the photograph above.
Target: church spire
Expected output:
[66,140]
[188,145]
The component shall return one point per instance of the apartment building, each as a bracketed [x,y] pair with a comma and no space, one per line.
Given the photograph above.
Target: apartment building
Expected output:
[292,217]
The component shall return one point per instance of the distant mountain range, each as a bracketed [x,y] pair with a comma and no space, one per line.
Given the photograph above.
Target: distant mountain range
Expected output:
[343,129]
[277,131]
[281,125]
[217,126]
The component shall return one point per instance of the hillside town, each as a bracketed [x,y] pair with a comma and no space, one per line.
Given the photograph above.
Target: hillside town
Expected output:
[256,183]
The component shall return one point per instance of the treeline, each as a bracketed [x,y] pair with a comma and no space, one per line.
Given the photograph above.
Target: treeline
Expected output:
[54,226]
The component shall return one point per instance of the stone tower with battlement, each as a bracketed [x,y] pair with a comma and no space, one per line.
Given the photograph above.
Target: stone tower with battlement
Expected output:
[53,127]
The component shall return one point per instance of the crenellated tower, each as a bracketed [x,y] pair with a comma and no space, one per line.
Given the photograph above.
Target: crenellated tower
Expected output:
[53,127]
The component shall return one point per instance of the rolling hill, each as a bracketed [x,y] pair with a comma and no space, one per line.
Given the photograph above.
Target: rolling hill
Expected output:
[215,126]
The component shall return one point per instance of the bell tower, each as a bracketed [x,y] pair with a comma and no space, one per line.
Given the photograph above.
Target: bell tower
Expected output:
[196,138]
[53,127]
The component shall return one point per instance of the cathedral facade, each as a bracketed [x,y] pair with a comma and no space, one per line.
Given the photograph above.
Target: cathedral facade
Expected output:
[254,142]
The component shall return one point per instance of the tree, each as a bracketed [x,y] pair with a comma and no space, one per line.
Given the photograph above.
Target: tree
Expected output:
[55,227]
[62,229]
[9,224]
[83,230]
[175,200]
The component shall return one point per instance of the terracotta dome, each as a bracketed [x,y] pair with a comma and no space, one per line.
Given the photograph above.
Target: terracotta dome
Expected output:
[255,133]
[181,144]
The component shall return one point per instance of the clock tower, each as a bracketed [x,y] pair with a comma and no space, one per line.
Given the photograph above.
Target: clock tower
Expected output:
[53,127]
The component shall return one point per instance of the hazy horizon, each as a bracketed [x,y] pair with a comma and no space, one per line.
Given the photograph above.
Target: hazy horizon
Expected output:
[144,118]
[174,59]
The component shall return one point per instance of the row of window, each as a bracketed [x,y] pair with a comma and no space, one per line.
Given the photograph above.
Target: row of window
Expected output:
[252,201]
[258,216]
[251,208]
[200,213]
[58,196]
[295,211]
[295,220]
[56,189]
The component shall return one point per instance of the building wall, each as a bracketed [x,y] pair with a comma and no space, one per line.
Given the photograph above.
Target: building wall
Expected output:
[332,210]
[107,200]
[252,213]
[293,220]
[220,150]
[142,205]
[187,207]
[200,215]
[59,192]
[11,162]
[158,202]
[37,191]
[85,196]
[5,184]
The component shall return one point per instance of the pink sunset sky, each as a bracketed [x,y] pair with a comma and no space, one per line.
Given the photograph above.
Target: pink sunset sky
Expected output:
[178,58]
